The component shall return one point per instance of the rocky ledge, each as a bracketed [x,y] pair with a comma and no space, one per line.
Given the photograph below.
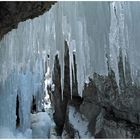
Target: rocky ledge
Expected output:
[104,111]
[11,13]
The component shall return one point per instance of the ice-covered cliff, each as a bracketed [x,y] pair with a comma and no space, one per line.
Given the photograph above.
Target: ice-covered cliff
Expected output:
[103,37]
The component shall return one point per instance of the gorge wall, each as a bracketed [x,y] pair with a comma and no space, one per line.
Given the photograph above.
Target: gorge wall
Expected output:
[93,49]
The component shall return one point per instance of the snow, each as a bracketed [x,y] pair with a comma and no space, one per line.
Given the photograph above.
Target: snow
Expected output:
[48,85]
[48,80]
[79,123]
[47,103]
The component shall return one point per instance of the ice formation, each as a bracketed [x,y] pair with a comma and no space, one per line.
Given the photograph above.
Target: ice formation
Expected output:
[99,33]
[6,133]
[40,124]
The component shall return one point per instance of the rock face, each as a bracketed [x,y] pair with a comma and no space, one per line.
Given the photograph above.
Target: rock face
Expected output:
[60,105]
[11,13]
[109,114]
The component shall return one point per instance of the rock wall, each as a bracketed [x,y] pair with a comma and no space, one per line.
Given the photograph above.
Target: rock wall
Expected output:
[11,13]
[22,63]
[60,105]
[109,114]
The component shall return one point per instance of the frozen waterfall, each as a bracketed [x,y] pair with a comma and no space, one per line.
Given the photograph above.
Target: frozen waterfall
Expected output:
[99,33]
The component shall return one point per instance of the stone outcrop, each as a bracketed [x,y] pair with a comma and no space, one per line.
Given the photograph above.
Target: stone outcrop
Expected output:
[11,13]
[59,104]
[111,112]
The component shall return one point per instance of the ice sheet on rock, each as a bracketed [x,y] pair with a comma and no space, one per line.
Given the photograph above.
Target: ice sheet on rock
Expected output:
[117,37]
[79,123]
[124,32]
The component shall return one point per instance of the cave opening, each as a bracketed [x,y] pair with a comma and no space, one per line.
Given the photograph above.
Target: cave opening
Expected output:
[17,112]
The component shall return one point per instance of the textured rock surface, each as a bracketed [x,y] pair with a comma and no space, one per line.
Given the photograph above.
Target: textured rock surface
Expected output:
[110,114]
[11,13]
[60,105]
[58,115]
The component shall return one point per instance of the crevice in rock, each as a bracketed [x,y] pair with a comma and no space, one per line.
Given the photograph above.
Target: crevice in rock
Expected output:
[56,98]
[33,106]
[17,113]
[11,13]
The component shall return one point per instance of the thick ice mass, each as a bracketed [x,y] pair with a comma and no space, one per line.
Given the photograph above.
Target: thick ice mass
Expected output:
[40,124]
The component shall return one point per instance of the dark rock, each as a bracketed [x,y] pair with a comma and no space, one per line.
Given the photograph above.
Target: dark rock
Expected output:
[17,113]
[11,13]
[60,105]
[111,111]
[58,115]
[33,106]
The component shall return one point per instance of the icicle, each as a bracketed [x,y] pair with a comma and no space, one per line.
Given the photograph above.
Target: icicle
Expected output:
[71,63]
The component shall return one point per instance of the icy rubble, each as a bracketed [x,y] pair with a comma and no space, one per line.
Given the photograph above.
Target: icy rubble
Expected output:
[40,128]
[40,124]
[97,32]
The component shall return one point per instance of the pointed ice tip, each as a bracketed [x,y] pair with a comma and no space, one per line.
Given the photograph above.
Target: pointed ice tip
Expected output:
[74,51]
